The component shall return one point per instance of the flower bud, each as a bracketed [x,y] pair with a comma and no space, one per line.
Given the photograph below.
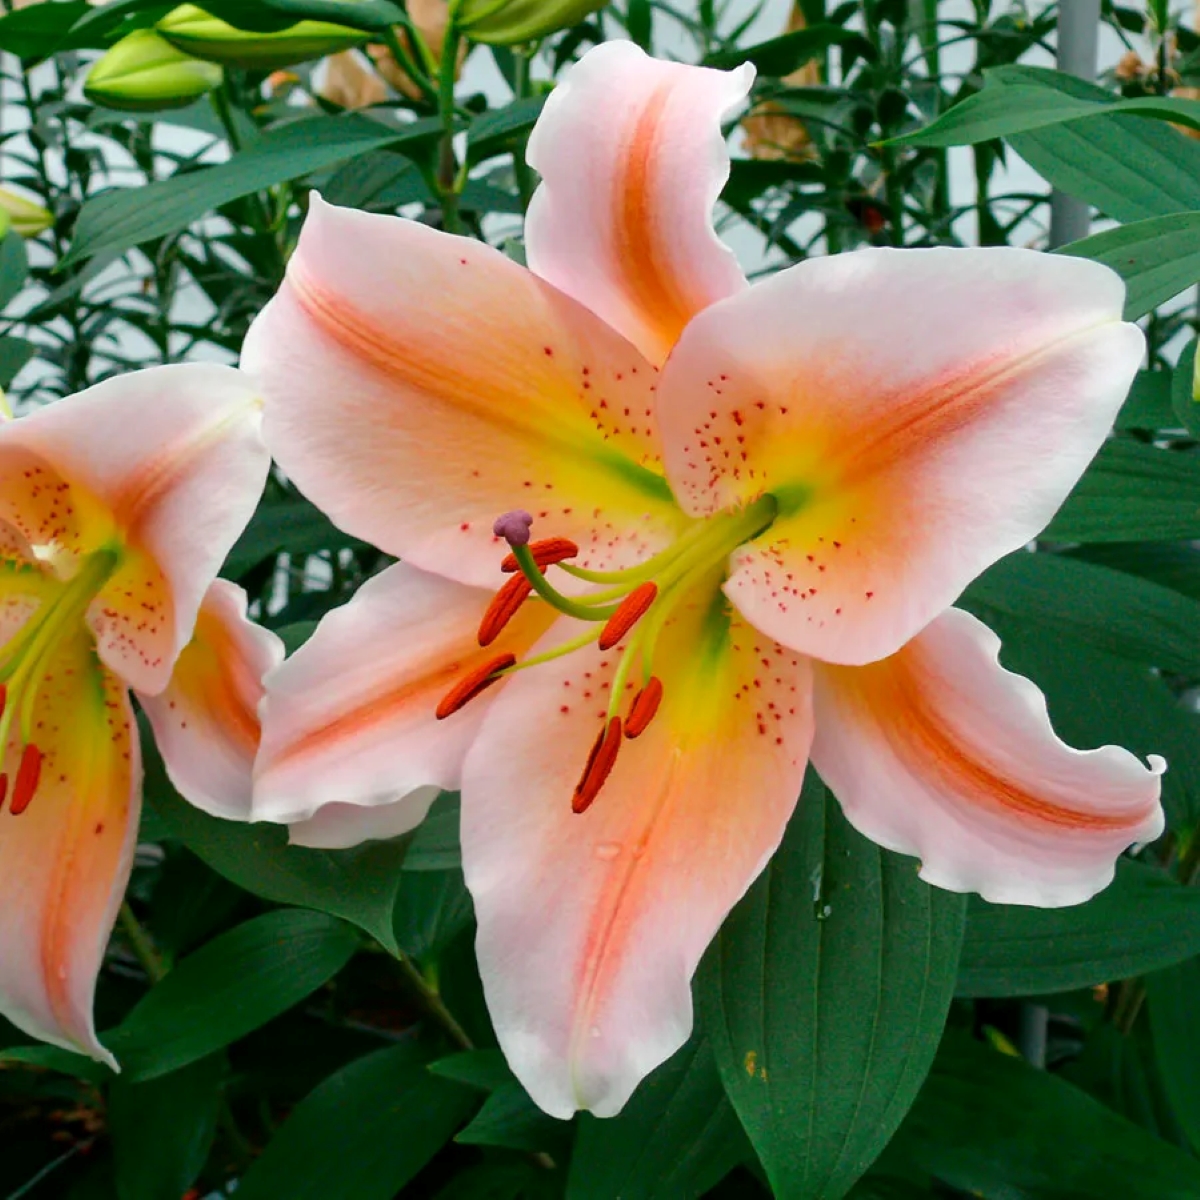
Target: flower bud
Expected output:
[508,22]
[26,217]
[191,29]
[143,73]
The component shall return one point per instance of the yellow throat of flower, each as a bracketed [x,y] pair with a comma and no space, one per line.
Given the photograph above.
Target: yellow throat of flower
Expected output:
[25,661]
[634,603]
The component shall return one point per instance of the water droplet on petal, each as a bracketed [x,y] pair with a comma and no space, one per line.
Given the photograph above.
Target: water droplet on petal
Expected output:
[607,851]
[595,1031]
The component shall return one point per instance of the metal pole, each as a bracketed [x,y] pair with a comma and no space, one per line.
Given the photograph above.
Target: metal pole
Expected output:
[1078,35]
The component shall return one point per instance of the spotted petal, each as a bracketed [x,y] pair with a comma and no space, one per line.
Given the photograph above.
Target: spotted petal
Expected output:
[918,414]
[65,859]
[632,160]
[348,720]
[418,385]
[939,752]
[166,465]
[591,925]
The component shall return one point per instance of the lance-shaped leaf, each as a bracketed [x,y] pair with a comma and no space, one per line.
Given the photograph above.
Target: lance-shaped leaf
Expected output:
[825,996]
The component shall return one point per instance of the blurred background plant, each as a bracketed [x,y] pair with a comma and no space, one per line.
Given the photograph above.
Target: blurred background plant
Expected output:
[310,1024]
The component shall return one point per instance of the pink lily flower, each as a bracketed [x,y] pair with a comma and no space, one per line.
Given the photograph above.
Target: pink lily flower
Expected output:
[752,509]
[117,508]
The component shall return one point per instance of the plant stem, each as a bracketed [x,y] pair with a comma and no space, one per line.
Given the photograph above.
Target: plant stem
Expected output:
[143,948]
[448,175]
[433,1004]
[521,169]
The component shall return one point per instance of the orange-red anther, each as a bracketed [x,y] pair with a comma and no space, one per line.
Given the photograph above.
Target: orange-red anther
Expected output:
[3,705]
[645,705]
[3,787]
[599,765]
[28,774]
[545,553]
[472,683]
[629,612]
[503,608]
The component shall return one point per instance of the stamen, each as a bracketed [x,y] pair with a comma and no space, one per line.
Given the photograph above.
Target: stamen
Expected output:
[503,608]
[3,787]
[629,612]
[471,684]
[28,774]
[599,766]
[546,553]
[514,527]
[645,705]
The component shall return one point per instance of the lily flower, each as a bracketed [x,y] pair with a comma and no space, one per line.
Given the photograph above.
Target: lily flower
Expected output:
[735,519]
[117,508]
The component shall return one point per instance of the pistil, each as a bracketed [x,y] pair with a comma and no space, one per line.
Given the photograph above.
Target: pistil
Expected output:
[639,601]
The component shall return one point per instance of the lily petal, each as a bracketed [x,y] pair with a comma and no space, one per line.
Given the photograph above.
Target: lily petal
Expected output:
[917,413]
[349,718]
[205,721]
[167,464]
[65,859]
[632,160]
[940,753]
[591,925]
[340,826]
[419,385]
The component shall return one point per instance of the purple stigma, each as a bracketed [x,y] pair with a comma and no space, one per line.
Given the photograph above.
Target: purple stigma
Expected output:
[514,527]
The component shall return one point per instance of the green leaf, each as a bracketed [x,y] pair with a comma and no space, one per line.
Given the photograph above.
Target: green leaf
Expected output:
[784,54]
[510,1119]
[997,1128]
[498,129]
[121,219]
[1017,108]
[38,30]
[358,885]
[55,1058]
[503,1179]
[295,525]
[435,846]
[824,997]
[1158,258]
[1108,609]
[1132,492]
[1128,167]
[677,1136]
[228,988]
[1183,391]
[1148,405]
[1142,922]
[258,16]
[362,1134]
[1171,997]
[14,266]
[431,908]
[485,1070]
[15,352]
[1173,564]
[162,1129]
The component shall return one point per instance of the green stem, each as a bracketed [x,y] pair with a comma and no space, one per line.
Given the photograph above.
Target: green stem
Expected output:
[433,1004]
[143,948]
[448,180]
[522,171]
